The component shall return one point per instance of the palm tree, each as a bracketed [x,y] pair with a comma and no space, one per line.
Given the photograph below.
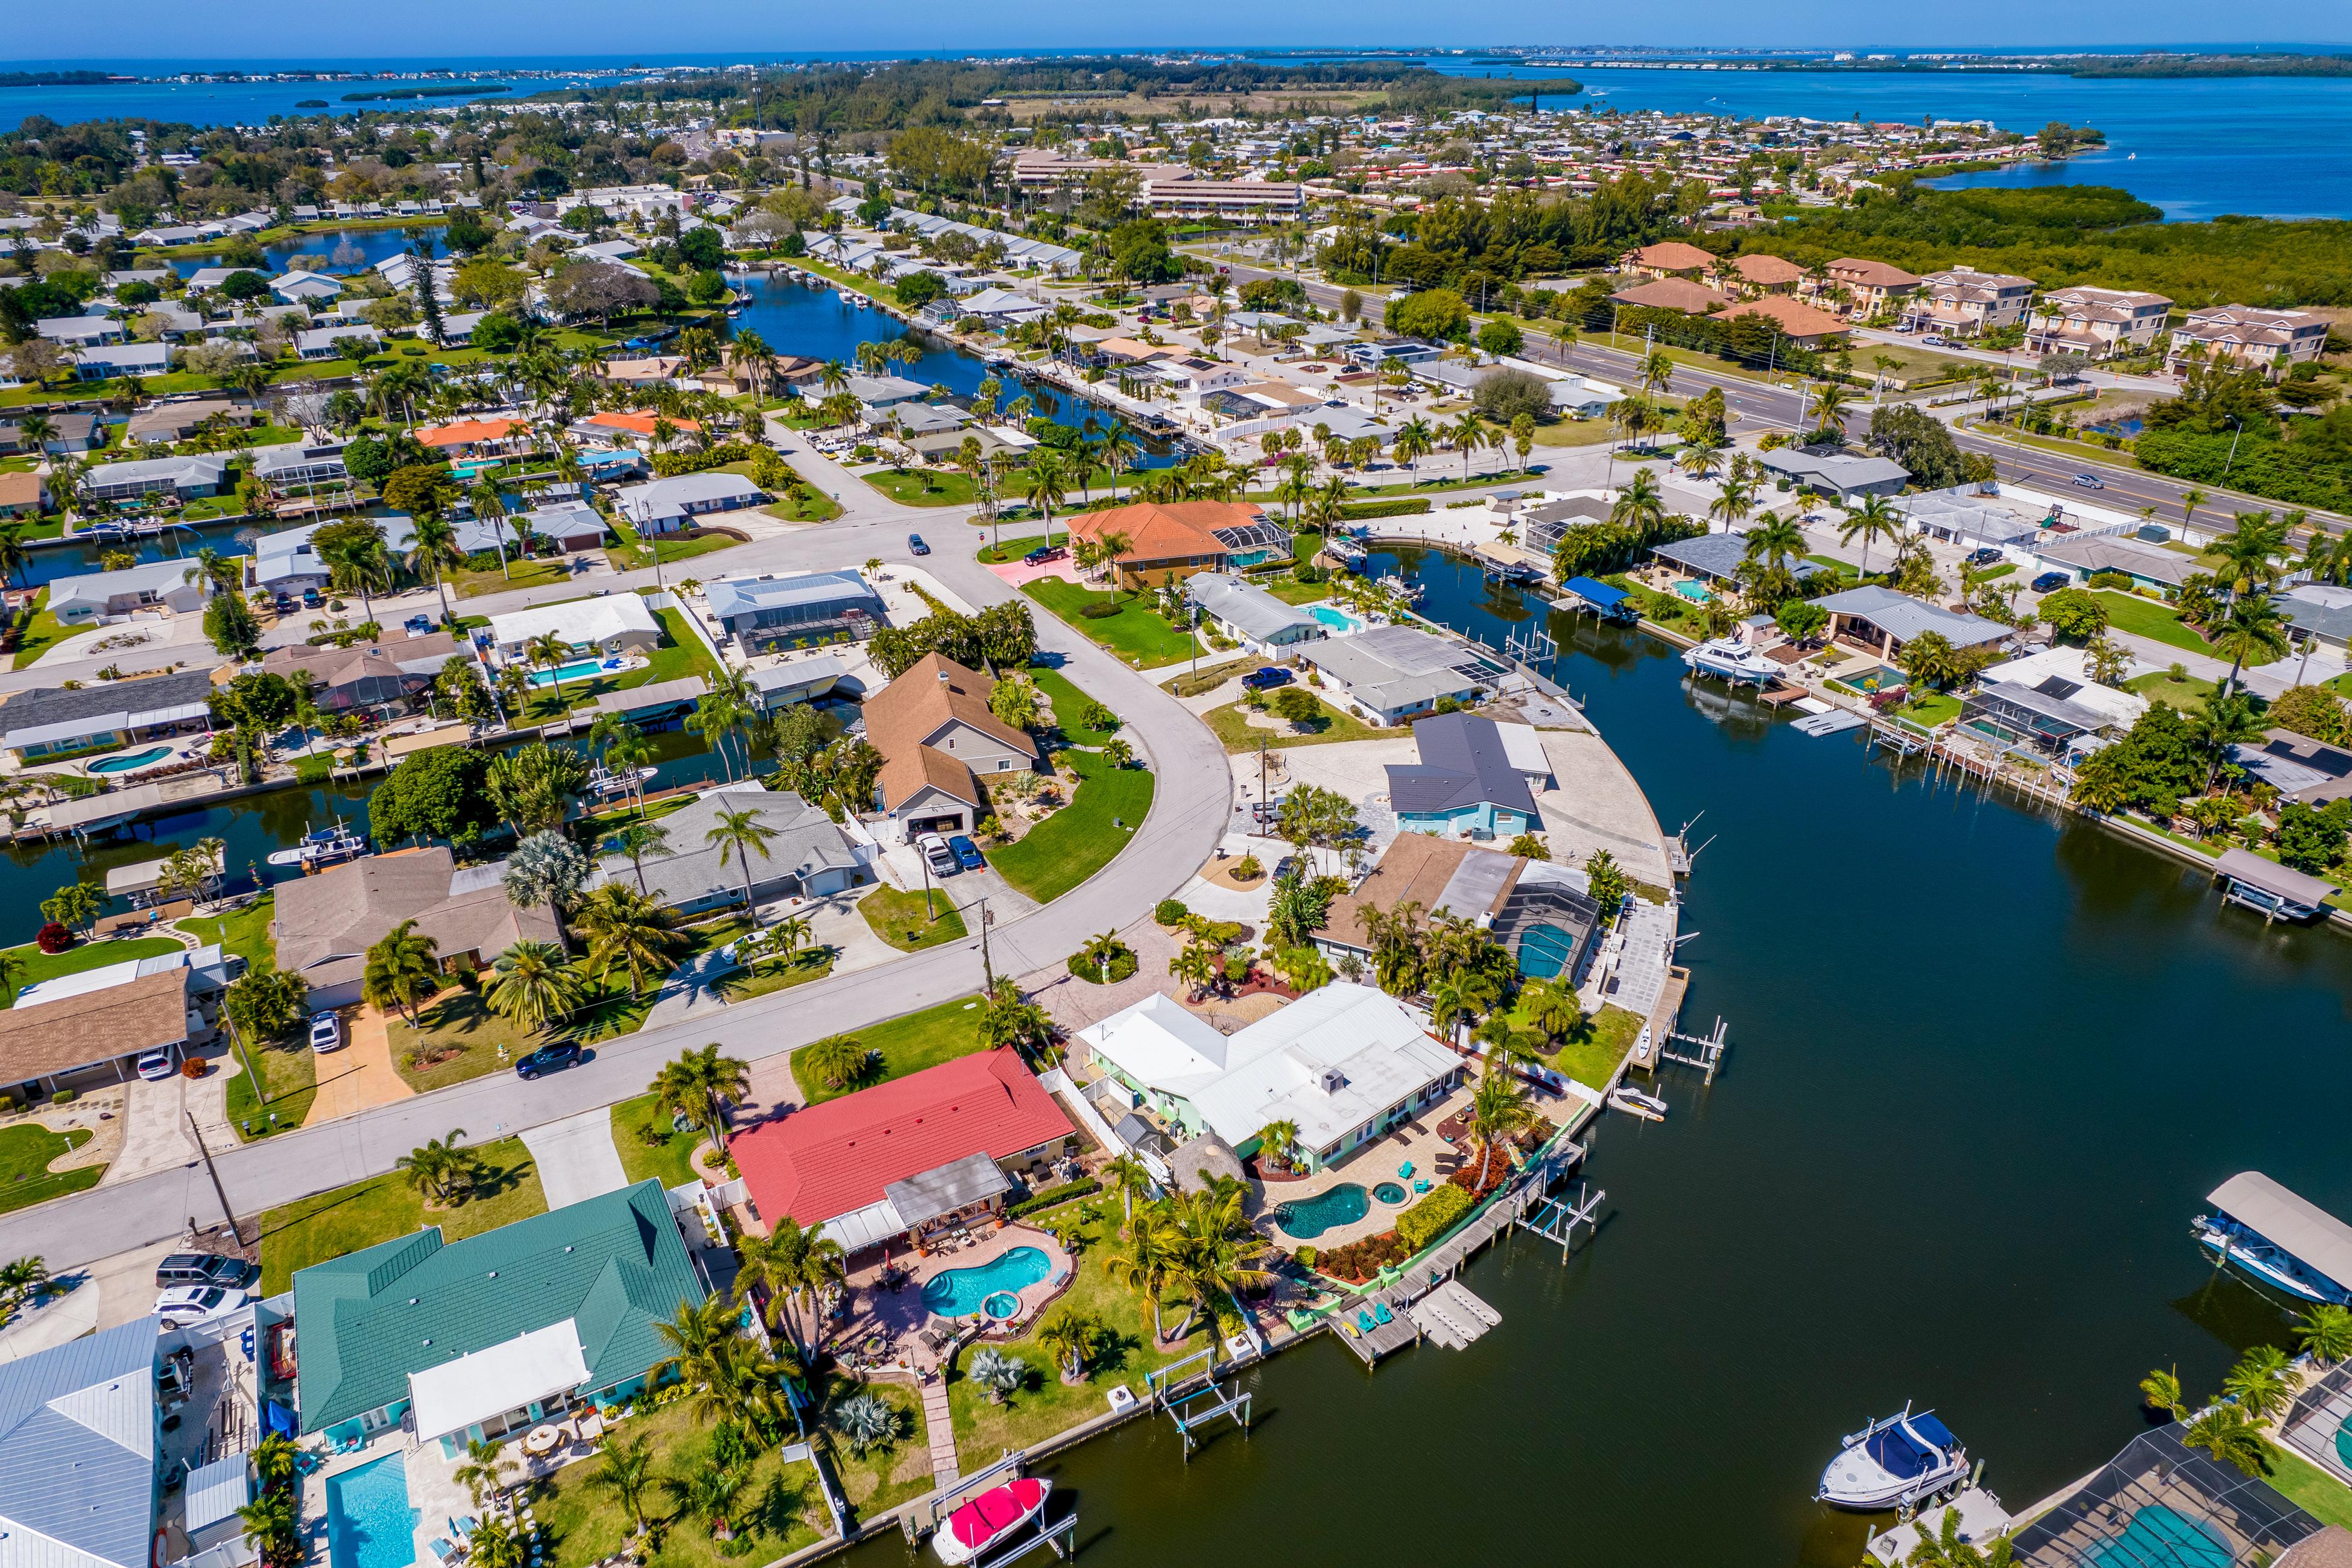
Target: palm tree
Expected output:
[742,832]
[484,1471]
[2249,553]
[702,1084]
[788,1263]
[1127,1177]
[1468,435]
[438,1167]
[550,651]
[2252,632]
[1414,440]
[1873,519]
[534,985]
[2229,1436]
[1217,1250]
[710,1493]
[402,971]
[1044,486]
[1146,1260]
[837,1060]
[628,929]
[1829,399]
[2160,1390]
[1273,1143]
[270,1520]
[1500,1110]
[1733,503]
[1657,373]
[637,840]
[2326,1333]
[2191,499]
[627,1473]
[2258,1383]
[2226,721]
[1639,505]
[1070,1335]
[1776,541]
[433,546]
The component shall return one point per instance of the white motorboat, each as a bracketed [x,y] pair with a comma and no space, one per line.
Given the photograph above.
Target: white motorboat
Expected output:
[991,1517]
[1893,1463]
[322,846]
[1728,658]
[1637,1102]
[2278,1238]
[603,781]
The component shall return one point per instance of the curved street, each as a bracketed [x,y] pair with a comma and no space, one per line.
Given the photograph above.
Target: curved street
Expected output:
[1190,807]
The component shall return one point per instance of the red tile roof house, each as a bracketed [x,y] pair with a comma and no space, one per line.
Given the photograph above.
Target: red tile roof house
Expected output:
[905,1160]
[624,428]
[478,437]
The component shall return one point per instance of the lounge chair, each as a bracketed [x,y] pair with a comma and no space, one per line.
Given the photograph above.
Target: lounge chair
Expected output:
[1364,1321]
[1380,1313]
[442,1550]
[1405,1170]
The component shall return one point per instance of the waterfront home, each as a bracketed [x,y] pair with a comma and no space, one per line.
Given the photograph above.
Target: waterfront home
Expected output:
[1249,614]
[177,479]
[473,1340]
[1345,1064]
[385,672]
[905,1160]
[1541,524]
[1801,324]
[1170,541]
[80,1472]
[1390,674]
[803,679]
[176,419]
[209,970]
[1848,476]
[68,433]
[667,505]
[886,391]
[23,494]
[325,923]
[808,855]
[765,611]
[626,427]
[2299,768]
[1964,303]
[2271,340]
[353,341]
[300,287]
[1671,294]
[2159,1502]
[1670,258]
[1542,912]
[489,436]
[2095,322]
[1859,288]
[149,588]
[938,741]
[649,371]
[605,624]
[299,463]
[126,359]
[1472,779]
[79,332]
[48,723]
[1718,557]
[2045,704]
[2147,565]
[655,706]
[1879,620]
[286,562]
[97,1037]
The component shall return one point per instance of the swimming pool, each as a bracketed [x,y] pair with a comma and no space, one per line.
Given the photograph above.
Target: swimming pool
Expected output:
[1339,620]
[1544,950]
[369,1521]
[575,670]
[1695,592]
[1306,1218]
[1391,1192]
[129,760]
[1880,679]
[960,1292]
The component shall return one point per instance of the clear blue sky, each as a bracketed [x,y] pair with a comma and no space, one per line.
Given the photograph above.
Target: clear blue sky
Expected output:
[323,29]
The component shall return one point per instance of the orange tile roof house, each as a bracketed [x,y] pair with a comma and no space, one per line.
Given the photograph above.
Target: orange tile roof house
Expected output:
[21,494]
[1171,540]
[1671,259]
[1803,324]
[937,741]
[473,435]
[632,429]
[1672,294]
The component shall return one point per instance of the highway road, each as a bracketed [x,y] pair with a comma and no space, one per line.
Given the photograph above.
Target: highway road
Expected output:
[1189,809]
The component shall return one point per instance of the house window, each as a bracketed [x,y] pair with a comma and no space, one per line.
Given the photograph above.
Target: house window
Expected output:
[1004,764]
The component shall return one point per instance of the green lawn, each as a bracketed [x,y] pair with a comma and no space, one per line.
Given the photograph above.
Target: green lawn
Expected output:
[28,965]
[888,1475]
[245,931]
[1573,433]
[1135,634]
[805,966]
[344,1219]
[1934,708]
[525,573]
[772,1515]
[1592,1053]
[26,1151]
[907,1044]
[680,654]
[289,1072]
[461,1038]
[1067,702]
[1328,725]
[2145,617]
[908,923]
[2311,1489]
[41,633]
[649,1147]
[925,487]
[1211,676]
[2189,693]
[633,555]
[1081,838]
[1047,1406]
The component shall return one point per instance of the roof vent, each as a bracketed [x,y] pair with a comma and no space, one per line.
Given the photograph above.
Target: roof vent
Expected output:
[494,1273]
[412,1301]
[1334,1080]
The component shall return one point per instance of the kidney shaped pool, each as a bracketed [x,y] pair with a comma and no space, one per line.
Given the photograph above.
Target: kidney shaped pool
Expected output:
[992,1287]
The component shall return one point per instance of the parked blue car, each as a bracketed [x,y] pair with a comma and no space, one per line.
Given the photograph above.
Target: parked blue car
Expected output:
[915,543]
[1268,679]
[966,852]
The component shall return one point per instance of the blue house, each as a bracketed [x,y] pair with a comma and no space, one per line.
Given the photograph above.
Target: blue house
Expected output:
[1466,785]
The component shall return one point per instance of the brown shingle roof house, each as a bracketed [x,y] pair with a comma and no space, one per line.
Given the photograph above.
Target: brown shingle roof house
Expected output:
[1668,258]
[60,1038]
[326,923]
[938,741]
[1672,294]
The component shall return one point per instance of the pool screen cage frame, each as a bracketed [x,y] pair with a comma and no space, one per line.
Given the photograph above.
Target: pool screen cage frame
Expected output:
[2241,1514]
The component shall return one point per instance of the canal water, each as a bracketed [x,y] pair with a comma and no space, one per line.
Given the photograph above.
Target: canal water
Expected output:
[1985,1065]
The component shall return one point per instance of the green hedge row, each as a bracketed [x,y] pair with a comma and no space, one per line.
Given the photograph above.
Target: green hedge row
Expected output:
[1429,1219]
[1054,1197]
[1399,506]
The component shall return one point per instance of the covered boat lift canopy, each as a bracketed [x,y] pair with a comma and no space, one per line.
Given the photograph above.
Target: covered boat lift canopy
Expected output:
[2267,886]
[2319,1239]
[1600,596]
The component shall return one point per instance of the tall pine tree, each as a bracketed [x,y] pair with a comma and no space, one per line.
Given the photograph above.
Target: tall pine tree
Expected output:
[428,302]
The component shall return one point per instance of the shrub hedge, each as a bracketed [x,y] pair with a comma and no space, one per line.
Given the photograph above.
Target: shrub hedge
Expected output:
[1399,505]
[1054,1197]
[1428,1219]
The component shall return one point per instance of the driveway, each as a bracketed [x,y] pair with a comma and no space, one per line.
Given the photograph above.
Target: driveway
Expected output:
[361,1076]
[575,1157]
[155,1135]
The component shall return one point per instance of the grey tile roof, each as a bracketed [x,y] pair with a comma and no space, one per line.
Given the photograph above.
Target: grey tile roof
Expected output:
[78,1447]
[1906,617]
[1247,606]
[1463,764]
[45,706]
[1720,555]
[806,841]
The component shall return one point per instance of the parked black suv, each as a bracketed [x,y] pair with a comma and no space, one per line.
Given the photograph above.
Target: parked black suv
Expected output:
[203,1268]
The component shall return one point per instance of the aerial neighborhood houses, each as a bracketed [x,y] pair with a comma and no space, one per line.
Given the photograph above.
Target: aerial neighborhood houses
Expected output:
[941,746]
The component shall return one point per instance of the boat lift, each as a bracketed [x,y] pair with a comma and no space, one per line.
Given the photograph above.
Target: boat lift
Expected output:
[923,1517]
[1555,1219]
[1710,1048]
[1194,1399]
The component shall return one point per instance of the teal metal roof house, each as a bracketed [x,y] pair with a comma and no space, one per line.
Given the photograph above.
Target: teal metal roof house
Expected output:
[478,1337]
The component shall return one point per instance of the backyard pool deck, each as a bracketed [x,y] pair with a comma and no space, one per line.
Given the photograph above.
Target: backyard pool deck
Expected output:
[1418,1143]
[897,1318]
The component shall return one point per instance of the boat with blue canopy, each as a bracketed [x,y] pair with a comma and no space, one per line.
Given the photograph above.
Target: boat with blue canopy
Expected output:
[2278,1239]
[1894,1463]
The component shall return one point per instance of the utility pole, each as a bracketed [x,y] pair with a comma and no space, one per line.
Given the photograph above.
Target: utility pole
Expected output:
[227,1213]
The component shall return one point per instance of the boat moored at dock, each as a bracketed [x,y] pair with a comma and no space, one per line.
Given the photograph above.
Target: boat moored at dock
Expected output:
[991,1518]
[323,847]
[1893,1463]
[1637,1102]
[2278,1239]
[1727,658]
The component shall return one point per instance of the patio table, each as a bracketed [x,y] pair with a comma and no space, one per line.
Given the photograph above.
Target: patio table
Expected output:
[542,1440]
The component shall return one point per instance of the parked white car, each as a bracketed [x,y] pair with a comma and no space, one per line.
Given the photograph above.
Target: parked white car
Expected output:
[326,1031]
[157,1065]
[186,1304]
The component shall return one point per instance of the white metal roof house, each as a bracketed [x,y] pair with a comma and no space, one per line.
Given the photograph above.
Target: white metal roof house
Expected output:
[1842,474]
[1345,1063]
[1390,674]
[100,598]
[1883,620]
[285,562]
[610,623]
[79,1483]
[184,478]
[821,605]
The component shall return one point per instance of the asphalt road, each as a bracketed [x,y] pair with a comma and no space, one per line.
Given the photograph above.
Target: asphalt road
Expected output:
[1189,810]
